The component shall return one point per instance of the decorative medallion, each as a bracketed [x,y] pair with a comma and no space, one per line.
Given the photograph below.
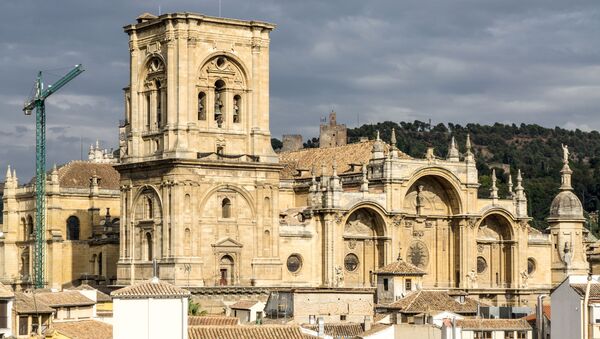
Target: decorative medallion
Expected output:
[352,244]
[480,248]
[294,263]
[418,254]
[397,220]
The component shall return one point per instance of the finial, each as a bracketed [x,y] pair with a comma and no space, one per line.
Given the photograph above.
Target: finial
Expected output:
[468,142]
[8,174]
[323,168]
[54,169]
[14,176]
[494,189]
[399,256]
[393,138]
[334,167]
[510,186]
[453,151]
[378,139]
[565,172]
[97,144]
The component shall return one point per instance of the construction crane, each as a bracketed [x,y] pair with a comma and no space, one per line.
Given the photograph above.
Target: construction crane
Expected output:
[38,102]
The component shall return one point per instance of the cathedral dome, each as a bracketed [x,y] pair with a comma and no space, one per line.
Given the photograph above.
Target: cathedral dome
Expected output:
[566,205]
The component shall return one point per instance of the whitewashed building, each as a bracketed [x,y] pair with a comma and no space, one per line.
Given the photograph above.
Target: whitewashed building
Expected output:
[570,317]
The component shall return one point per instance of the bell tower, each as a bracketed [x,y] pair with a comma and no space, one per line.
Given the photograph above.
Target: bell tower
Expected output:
[199,88]
[567,229]
[199,177]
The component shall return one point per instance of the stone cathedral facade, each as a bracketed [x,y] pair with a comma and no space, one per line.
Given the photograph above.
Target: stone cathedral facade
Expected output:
[203,193]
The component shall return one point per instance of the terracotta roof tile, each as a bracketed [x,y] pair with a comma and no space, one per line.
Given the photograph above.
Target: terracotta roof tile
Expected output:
[547,313]
[423,301]
[344,156]
[26,304]
[6,292]
[594,289]
[493,324]
[153,289]
[100,296]
[212,320]
[400,267]
[246,332]
[65,298]
[338,329]
[77,174]
[243,304]
[84,329]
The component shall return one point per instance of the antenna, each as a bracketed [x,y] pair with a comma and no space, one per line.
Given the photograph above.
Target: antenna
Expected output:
[159,12]
[219,8]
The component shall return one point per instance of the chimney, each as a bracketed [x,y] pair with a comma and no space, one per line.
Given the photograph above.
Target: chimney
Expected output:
[367,323]
[321,327]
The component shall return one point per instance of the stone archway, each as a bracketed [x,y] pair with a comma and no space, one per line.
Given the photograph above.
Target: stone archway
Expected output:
[364,247]
[495,252]
[430,236]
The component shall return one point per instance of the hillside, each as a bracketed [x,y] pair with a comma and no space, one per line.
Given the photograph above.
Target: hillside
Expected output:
[534,149]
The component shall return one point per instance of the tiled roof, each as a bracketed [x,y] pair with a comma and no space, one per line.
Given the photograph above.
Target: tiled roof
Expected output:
[84,329]
[26,304]
[493,324]
[594,289]
[338,329]
[212,320]
[6,292]
[65,298]
[246,332]
[244,304]
[400,267]
[77,174]
[423,301]
[547,313]
[101,297]
[150,289]
[305,159]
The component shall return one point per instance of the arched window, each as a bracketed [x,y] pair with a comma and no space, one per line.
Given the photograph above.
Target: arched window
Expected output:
[24,229]
[149,246]
[149,208]
[100,263]
[29,227]
[226,208]
[201,106]
[158,104]
[187,246]
[219,102]
[237,104]
[72,228]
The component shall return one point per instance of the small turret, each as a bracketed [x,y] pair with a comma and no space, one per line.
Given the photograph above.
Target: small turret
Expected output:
[468,154]
[453,154]
[494,189]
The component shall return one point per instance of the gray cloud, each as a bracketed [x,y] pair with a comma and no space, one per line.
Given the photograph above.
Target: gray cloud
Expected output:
[451,61]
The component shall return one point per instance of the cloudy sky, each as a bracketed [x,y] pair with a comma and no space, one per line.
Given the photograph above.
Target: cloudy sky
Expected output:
[449,61]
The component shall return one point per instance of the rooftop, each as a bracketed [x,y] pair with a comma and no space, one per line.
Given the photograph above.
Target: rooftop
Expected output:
[151,289]
[84,329]
[244,304]
[100,296]
[26,304]
[424,301]
[212,320]
[65,298]
[77,174]
[346,330]
[594,289]
[246,332]
[493,324]
[400,267]
[348,159]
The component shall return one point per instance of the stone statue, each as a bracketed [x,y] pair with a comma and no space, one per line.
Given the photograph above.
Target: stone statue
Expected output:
[565,153]
[218,103]
[419,204]
[472,278]
[524,278]
[339,277]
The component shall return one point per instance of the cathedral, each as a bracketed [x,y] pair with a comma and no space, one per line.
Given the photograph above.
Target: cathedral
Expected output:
[200,192]
[205,196]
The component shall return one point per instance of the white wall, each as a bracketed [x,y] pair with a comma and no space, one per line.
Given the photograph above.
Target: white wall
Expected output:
[150,318]
[566,312]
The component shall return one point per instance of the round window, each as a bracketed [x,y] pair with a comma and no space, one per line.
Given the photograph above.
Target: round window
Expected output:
[481,265]
[294,263]
[530,266]
[220,62]
[351,262]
